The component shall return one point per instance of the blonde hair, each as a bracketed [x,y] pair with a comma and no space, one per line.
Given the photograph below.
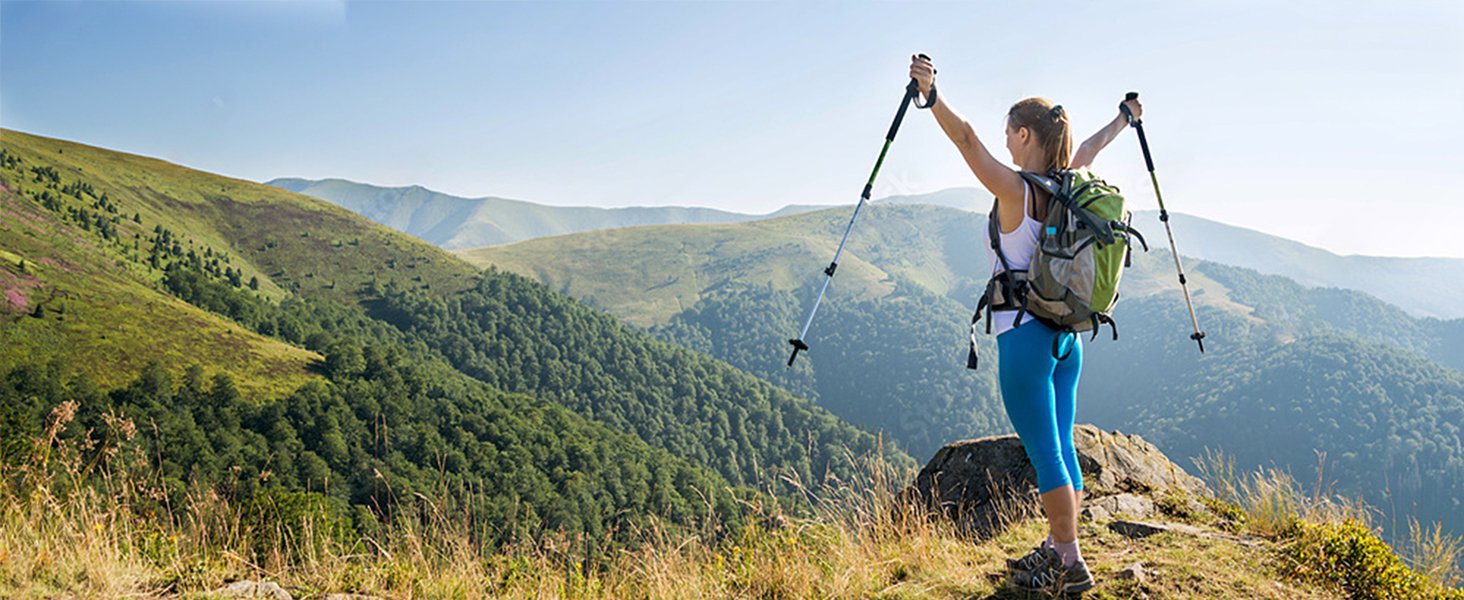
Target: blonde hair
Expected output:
[1049,122]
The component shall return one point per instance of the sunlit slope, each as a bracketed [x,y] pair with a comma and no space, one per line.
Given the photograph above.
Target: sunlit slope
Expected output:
[102,304]
[71,293]
[648,274]
[335,273]
[288,240]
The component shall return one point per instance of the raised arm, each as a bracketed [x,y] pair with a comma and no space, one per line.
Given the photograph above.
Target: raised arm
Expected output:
[1090,147]
[1002,181]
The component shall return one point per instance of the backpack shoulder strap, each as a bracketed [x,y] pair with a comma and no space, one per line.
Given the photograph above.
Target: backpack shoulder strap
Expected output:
[993,231]
[1053,186]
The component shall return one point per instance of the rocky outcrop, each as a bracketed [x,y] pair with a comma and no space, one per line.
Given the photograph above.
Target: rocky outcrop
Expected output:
[250,589]
[986,483]
[270,590]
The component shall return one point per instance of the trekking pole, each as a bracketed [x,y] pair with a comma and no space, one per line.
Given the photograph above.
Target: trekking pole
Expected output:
[912,93]
[1198,336]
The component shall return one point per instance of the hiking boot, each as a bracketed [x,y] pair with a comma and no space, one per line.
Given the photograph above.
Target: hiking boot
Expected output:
[1039,556]
[1053,578]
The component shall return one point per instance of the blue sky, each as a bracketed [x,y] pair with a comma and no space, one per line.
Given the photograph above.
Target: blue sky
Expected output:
[1334,123]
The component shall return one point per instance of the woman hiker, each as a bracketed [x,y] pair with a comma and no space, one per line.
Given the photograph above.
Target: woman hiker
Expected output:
[1039,391]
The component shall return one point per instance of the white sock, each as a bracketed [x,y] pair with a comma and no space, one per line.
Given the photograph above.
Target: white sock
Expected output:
[1047,543]
[1069,552]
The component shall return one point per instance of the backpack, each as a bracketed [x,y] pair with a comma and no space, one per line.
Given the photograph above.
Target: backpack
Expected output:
[1072,284]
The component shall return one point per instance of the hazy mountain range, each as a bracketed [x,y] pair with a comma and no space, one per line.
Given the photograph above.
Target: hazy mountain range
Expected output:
[455,222]
[1425,287]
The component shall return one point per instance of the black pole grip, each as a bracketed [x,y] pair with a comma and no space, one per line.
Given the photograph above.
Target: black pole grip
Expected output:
[1139,125]
[1125,109]
[911,93]
[1144,143]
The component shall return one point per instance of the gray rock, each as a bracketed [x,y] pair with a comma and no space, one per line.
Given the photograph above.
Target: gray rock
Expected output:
[1136,529]
[1134,572]
[251,589]
[1141,529]
[1127,505]
[987,483]
[1094,512]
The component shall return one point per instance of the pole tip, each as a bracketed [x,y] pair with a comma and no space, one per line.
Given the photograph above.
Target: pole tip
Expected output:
[797,346]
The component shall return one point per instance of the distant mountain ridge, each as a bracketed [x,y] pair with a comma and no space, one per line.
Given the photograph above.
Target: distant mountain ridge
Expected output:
[454,222]
[1424,287]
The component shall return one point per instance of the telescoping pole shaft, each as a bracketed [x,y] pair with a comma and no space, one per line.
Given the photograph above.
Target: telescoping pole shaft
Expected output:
[1198,336]
[912,91]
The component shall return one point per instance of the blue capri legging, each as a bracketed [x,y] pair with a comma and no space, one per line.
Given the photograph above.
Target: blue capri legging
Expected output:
[1041,394]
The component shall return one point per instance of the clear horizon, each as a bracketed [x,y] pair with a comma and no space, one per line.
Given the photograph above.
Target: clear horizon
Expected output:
[751,107]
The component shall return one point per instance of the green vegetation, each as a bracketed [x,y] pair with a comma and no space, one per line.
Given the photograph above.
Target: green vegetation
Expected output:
[78,283]
[556,419]
[370,444]
[1386,418]
[1350,556]
[894,364]
[510,333]
[1330,541]
[387,431]
[675,266]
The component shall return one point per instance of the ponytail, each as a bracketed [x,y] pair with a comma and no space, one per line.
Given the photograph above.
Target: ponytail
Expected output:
[1049,122]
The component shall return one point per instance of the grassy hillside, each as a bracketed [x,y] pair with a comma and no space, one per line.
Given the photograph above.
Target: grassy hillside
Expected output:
[456,222]
[377,429]
[648,274]
[72,293]
[328,278]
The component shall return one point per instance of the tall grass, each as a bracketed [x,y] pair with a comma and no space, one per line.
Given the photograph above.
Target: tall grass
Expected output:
[84,515]
[1433,553]
[1271,500]
[1332,539]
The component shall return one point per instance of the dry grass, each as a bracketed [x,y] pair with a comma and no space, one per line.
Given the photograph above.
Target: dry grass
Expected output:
[1333,540]
[82,518]
[1434,554]
[1271,501]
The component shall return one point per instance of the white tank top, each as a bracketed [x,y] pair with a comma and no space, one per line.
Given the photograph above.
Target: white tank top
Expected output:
[1019,246]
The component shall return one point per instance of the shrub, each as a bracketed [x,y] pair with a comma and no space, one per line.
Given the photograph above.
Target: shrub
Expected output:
[1350,556]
